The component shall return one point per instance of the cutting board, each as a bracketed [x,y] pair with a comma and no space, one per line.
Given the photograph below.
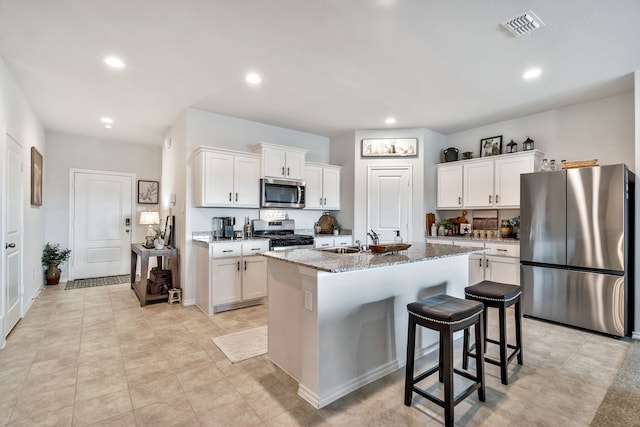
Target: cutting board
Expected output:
[326,222]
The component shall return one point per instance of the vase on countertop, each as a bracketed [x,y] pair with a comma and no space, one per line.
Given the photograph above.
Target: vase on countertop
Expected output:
[158,243]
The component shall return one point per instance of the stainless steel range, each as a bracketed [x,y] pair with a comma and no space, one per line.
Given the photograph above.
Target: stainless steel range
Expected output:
[281,233]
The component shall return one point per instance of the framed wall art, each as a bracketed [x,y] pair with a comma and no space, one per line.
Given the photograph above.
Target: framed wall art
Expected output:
[148,192]
[389,147]
[36,177]
[491,146]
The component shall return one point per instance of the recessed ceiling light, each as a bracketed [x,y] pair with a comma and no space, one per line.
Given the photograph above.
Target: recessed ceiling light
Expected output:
[253,78]
[532,73]
[390,121]
[107,120]
[108,126]
[114,62]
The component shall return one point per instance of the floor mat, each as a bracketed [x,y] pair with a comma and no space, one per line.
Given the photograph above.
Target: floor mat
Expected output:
[243,345]
[98,281]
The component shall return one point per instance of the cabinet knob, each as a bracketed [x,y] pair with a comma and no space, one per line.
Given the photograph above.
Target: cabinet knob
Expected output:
[487,263]
[283,170]
[236,197]
[229,196]
[238,265]
[288,172]
[496,199]
[459,200]
[489,198]
[480,262]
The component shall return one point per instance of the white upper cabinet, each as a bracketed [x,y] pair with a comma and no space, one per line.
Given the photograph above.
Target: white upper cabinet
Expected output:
[507,172]
[478,184]
[489,182]
[449,182]
[322,186]
[281,162]
[225,178]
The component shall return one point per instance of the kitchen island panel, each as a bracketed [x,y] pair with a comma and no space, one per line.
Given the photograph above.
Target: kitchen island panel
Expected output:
[354,326]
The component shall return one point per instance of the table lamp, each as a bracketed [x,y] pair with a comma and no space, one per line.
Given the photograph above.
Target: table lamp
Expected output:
[149,218]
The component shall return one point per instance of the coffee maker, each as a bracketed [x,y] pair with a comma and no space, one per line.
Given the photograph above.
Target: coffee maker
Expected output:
[227,225]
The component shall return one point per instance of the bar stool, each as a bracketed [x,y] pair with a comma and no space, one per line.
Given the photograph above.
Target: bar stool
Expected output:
[445,314]
[500,296]
[175,295]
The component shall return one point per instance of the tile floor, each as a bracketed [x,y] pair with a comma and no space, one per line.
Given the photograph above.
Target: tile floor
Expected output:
[94,357]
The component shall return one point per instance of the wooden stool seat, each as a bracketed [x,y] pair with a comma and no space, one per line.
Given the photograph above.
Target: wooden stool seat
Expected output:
[500,296]
[445,314]
[175,295]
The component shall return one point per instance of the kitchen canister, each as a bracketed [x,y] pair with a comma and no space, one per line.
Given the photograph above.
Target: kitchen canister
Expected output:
[451,154]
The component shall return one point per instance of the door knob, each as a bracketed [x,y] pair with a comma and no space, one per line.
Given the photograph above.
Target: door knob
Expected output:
[9,245]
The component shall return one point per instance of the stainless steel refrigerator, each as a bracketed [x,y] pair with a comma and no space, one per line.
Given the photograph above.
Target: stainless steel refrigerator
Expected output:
[576,247]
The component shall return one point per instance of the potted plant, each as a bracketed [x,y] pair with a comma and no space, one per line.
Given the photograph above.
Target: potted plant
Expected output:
[336,228]
[52,257]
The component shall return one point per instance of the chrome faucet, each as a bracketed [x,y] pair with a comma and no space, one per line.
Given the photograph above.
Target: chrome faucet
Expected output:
[361,247]
[374,237]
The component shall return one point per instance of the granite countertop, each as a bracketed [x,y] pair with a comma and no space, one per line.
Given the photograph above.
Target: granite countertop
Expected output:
[207,239]
[471,238]
[340,263]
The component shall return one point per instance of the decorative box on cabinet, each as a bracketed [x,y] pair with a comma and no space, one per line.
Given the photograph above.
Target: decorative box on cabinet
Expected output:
[280,161]
[226,178]
[322,186]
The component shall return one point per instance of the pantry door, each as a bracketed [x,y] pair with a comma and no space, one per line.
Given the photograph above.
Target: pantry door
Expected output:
[12,220]
[389,202]
[101,223]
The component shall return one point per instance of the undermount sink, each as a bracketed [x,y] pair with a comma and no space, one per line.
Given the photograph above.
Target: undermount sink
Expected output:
[342,250]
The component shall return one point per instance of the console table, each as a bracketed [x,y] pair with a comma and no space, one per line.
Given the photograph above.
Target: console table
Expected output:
[140,287]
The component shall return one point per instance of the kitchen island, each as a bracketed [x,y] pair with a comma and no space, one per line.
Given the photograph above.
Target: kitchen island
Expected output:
[339,321]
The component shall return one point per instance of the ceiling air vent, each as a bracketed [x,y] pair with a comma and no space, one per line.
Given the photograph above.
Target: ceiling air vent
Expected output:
[523,23]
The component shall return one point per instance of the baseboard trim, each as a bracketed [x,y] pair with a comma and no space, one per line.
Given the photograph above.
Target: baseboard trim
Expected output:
[635,335]
[186,302]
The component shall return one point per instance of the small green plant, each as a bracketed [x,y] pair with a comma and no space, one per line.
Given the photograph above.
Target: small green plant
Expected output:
[54,254]
[445,223]
[337,226]
[157,233]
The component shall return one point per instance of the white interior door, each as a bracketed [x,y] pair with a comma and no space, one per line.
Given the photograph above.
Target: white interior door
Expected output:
[101,224]
[389,202]
[12,230]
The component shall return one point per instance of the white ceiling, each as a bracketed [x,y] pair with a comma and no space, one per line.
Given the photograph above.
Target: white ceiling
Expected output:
[328,66]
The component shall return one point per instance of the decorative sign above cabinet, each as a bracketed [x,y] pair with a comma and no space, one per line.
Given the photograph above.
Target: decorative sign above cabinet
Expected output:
[389,147]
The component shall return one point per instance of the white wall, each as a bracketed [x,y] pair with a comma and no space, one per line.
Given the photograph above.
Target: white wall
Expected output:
[342,154]
[24,126]
[201,128]
[428,143]
[601,129]
[66,151]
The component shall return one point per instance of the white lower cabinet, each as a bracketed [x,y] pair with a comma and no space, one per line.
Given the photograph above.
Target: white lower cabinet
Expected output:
[332,241]
[501,264]
[230,275]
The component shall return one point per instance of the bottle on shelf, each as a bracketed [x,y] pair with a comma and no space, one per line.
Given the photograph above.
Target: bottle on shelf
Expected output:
[397,239]
[552,165]
[247,228]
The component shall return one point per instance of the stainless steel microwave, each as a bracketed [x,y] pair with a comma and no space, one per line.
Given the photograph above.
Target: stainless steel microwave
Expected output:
[281,193]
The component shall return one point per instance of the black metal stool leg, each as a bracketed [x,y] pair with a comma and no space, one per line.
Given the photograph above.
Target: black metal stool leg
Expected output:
[504,362]
[411,343]
[465,349]
[519,331]
[447,367]
[479,359]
